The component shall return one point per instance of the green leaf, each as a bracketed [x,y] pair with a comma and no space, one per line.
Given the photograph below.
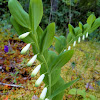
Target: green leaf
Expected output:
[91,19]
[35,13]
[60,43]
[18,13]
[75,91]
[81,26]
[86,98]
[69,37]
[43,57]
[49,57]
[96,24]
[71,30]
[61,59]
[42,71]
[62,88]
[34,48]
[86,27]
[93,97]
[55,76]
[48,39]
[20,30]
[39,34]
[77,31]
[54,87]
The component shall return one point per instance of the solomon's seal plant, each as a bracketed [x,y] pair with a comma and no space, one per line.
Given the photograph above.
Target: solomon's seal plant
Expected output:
[51,62]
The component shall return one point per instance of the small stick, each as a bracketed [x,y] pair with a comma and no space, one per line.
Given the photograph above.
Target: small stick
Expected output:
[10,48]
[13,85]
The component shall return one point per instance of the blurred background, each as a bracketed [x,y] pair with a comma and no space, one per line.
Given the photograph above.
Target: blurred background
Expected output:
[62,12]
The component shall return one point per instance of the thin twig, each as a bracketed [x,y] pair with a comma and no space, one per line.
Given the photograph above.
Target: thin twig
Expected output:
[13,85]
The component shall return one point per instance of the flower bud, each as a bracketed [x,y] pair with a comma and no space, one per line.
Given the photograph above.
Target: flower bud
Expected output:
[83,38]
[39,80]
[46,99]
[69,47]
[32,60]
[43,94]
[35,71]
[87,34]
[24,50]
[74,43]
[24,35]
[64,50]
[79,40]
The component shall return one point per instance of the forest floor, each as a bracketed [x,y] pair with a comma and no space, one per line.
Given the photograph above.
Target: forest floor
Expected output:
[85,64]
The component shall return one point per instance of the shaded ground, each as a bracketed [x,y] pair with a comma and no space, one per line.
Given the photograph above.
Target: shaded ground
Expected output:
[85,64]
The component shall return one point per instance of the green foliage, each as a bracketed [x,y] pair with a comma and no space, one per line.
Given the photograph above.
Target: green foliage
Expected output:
[61,60]
[59,83]
[60,42]
[61,88]
[40,41]
[74,33]
[15,9]
[48,38]
[81,26]
[20,29]
[91,25]
[80,10]
[91,19]
[51,62]
[83,93]
[71,30]
[35,13]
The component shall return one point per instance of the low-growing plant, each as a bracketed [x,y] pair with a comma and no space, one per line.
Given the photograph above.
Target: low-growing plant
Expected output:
[83,93]
[51,62]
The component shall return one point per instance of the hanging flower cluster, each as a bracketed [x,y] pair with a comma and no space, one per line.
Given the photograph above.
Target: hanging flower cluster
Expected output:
[36,70]
[79,40]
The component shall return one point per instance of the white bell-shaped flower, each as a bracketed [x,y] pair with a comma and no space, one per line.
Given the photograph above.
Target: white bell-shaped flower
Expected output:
[64,50]
[24,50]
[32,60]
[83,38]
[46,99]
[35,71]
[43,94]
[69,47]
[87,34]
[24,35]
[79,39]
[39,80]
[74,43]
